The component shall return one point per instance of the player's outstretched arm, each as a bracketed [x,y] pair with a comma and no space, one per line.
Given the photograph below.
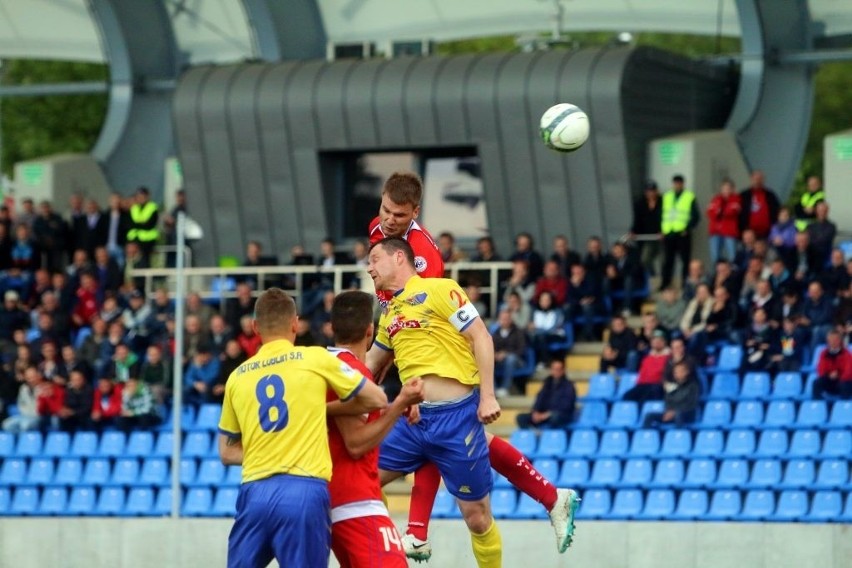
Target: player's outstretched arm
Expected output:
[483,352]
[230,450]
[360,438]
[371,396]
[377,359]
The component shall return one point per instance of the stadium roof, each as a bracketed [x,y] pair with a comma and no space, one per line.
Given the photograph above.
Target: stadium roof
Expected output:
[219,31]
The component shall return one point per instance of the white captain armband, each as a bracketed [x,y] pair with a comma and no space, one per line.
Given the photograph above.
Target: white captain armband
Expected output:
[464,316]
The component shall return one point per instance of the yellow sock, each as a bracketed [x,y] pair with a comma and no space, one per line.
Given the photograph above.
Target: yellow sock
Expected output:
[488,547]
[385,498]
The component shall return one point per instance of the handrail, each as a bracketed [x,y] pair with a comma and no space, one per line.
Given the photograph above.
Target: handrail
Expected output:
[489,274]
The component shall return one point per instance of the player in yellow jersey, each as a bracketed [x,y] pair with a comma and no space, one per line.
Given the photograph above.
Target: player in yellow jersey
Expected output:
[436,333]
[274,424]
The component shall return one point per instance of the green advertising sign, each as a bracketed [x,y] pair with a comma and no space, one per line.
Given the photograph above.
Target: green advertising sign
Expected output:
[33,174]
[670,153]
[843,148]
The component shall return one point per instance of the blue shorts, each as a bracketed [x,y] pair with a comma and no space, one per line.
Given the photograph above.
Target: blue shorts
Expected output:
[452,437]
[284,516]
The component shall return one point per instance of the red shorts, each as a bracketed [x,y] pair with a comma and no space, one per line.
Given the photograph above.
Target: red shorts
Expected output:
[367,542]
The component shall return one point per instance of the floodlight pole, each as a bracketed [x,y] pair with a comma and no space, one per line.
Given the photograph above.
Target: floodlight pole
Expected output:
[177,370]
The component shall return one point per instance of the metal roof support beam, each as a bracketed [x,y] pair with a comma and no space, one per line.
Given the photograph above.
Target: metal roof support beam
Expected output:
[289,30]
[139,44]
[772,114]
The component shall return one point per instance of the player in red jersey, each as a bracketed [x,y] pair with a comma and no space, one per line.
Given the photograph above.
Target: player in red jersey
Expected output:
[362,533]
[398,212]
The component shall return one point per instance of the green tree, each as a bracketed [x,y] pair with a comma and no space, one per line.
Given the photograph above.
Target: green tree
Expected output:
[39,126]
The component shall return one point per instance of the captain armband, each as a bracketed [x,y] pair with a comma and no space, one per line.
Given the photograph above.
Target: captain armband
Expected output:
[464,316]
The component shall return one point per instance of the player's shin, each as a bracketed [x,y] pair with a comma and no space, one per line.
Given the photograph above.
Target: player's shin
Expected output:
[512,464]
[488,547]
[427,479]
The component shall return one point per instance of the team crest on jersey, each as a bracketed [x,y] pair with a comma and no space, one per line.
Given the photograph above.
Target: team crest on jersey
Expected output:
[347,370]
[399,323]
[420,263]
[416,299]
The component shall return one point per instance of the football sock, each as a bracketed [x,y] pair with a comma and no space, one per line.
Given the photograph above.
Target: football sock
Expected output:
[488,547]
[512,465]
[427,479]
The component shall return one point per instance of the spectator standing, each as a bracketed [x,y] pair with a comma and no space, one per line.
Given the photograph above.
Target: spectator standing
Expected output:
[144,223]
[821,233]
[555,403]
[525,251]
[834,369]
[782,236]
[619,352]
[759,207]
[647,223]
[681,399]
[26,216]
[51,233]
[680,216]
[118,224]
[75,414]
[649,383]
[806,207]
[90,229]
[510,346]
[723,215]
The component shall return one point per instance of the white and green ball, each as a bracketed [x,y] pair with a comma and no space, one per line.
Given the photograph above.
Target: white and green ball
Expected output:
[564,127]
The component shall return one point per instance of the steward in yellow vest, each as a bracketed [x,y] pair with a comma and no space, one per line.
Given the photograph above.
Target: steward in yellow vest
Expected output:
[144,218]
[805,213]
[680,214]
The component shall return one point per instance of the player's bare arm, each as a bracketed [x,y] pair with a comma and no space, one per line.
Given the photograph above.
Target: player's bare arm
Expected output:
[371,397]
[230,450]
[360,438]
[378,359]
[483,352]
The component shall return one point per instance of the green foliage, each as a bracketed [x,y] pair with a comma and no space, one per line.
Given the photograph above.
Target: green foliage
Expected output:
[39,126]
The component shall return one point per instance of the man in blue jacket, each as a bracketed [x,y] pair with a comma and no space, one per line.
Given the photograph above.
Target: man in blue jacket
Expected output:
[554,403]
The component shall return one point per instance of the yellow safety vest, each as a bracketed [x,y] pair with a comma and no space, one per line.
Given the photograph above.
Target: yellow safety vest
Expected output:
[809,200]
[140,214]
[676,213]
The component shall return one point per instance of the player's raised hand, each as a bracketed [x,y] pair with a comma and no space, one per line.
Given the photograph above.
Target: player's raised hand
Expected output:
[489,409]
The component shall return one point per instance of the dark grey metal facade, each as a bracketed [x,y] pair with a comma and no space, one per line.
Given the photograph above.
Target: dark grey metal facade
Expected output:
[250,137]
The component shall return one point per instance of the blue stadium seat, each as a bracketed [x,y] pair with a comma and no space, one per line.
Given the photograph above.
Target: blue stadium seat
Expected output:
[564,343]
[637,473]
[583,443]
[24,501]
[808,389]
[445,505]
[676,443]
[812,365]
[717,414]
[163,503]
[110,502]
[85,445]
[68,472]
[725,386]
[7,444]
[626,381]
[780,414]
[112,444]
[724,505]
[54,500]
[13,472]
[210,473]
[57,445]
[812,414]
[613,443]
[96,472]
[845,516]
[574,473]
[708,443]
[197,502]
[826,506]
[787,386]
[765,474]
[805,443]
[524,441]
[700,472]
[503,502]
[628,504]
[225,503]
[188,471]
[772,443]
[792,506]
[592,415]
[601,387]
[140,444]
[644,443]
[40,471]
[837,444]
[659,504]
[739,443]
[528,508]
[799,474]
[596,504]
[547,467]
[5,498]
[551,443]
[624,414]
[29,444]
[500,482]
[140,502]
[759,504]
[207,418]
[691,505]
[125,472]
[749,414]
[729,359]
[155,471]
[605,473]
[81,501]
[163,448]
[650,406]
[732,473]
[668,474]
[196,445]
[756,386]
[841,415]
[832,474]
[233,476]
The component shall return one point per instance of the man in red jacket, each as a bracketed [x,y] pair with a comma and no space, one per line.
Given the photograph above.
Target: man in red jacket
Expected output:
[649,383]
[834,370]
[723,218]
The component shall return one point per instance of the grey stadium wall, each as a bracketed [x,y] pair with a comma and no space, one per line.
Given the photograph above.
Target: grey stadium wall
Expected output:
[250,136]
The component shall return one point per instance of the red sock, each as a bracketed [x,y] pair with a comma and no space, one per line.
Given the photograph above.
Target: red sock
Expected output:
[512,464]
[427,479]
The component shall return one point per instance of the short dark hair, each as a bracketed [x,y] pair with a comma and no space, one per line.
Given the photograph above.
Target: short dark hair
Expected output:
[404,188]
[394,244]
[678,177]
[351,316]
[274,311]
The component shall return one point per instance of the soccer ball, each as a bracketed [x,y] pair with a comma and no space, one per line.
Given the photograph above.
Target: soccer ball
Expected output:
[564,127]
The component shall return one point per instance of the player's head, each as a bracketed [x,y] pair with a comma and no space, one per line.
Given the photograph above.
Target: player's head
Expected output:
[352,317]
[400,203]
[275,315]
[391,260]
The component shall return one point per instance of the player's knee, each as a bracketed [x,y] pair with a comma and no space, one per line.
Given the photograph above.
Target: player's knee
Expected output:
[477,516]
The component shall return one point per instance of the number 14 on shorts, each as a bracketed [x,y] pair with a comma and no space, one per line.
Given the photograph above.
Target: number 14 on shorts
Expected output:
[390,537]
